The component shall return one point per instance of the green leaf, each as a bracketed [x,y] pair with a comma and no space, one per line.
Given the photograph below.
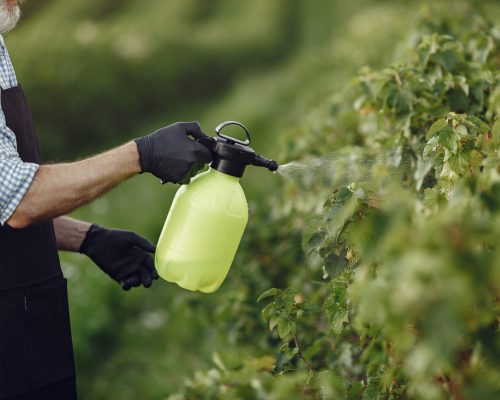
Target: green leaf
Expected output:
[269,293]
[459,163]
[435,128]
[457,100]
[479,124]
[335,265]
[423,168]
[312,241]
[476,159]
[289,352]
[335,306]
[285,327]
[273,322]
[461,130]
[495,133]
[449,58]
[400,102]
[339,321]
[355,391]
[448,139]
[373,389]
[266,311]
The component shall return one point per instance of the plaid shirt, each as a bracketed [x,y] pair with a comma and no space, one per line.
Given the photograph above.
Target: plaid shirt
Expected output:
[15,175]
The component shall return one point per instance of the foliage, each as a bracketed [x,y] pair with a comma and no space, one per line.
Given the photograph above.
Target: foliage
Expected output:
[385,271]
[142,344]
[397,293]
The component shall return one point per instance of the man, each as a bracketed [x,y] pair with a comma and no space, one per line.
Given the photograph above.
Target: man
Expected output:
[36,355]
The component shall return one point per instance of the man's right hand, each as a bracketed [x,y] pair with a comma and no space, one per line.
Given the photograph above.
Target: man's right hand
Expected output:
[171,155]
[58,189]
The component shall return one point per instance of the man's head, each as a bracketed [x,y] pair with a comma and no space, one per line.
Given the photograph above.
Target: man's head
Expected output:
[9,14]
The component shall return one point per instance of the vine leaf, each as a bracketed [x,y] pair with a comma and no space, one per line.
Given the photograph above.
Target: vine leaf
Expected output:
[268,293]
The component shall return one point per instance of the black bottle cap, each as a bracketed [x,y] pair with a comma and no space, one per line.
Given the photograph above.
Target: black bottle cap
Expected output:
[231,155]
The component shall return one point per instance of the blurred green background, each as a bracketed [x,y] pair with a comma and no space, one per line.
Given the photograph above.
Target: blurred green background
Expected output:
[98,73]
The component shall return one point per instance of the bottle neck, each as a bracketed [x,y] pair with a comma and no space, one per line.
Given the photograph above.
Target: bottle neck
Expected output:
[223,175]
[229,167]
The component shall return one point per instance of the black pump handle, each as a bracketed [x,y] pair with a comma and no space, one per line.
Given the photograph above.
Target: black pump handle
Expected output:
[219,133]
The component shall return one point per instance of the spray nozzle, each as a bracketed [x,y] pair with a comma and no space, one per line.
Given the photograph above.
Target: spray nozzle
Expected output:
[260,161]
[231,155]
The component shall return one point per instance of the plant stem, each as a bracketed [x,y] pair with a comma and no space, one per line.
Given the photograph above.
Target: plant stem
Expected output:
[301,355]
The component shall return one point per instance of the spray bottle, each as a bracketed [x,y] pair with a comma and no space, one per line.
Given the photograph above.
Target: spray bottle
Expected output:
[208,216]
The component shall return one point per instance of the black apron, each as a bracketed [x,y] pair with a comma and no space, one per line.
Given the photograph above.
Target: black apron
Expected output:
[35,337]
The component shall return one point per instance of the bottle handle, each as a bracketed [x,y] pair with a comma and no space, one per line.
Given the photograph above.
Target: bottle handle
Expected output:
[219,128]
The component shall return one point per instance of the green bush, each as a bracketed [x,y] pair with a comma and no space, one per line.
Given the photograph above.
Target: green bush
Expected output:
[396,292]
[382,249]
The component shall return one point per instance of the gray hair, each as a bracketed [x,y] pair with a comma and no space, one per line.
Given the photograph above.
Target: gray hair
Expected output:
[9,16]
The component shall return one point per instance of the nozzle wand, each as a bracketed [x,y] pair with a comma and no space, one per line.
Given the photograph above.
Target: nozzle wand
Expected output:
[260,161]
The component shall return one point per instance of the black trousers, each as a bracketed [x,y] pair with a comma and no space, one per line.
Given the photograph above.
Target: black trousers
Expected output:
[64,389]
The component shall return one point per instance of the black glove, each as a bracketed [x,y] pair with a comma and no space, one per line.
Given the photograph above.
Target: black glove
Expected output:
[171,155]
[123,255]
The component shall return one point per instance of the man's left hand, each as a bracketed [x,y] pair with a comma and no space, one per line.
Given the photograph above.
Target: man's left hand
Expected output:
[124,256]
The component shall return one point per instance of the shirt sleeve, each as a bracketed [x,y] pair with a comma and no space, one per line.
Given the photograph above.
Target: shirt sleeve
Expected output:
[15,175]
